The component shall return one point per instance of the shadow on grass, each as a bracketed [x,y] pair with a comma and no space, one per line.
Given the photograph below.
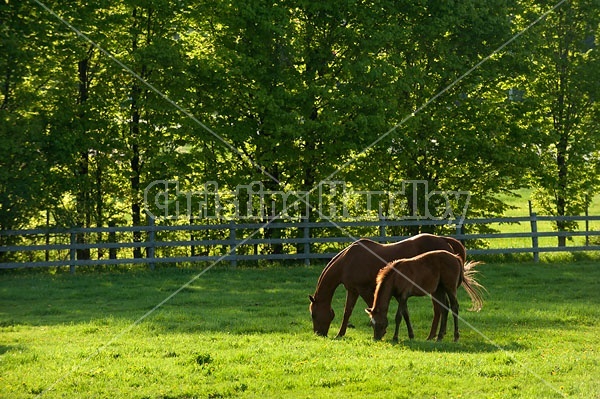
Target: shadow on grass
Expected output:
[235,301]
[7,348]
[459,347]
[274,300]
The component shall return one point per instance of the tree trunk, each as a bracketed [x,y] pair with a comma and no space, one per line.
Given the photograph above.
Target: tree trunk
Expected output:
[99,203]
[136,217]
[562,127]
[134,136]
[561,192]
[83,217]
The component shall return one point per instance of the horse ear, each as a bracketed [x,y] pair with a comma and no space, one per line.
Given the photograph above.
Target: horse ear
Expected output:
[312,298]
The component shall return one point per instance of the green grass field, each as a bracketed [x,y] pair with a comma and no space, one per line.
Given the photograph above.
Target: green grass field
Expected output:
[247,333]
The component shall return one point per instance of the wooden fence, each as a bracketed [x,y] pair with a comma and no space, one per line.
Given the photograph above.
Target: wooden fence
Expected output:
[301,240]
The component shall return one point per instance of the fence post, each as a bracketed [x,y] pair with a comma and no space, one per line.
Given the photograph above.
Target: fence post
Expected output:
[112,239]
[534,235]
[47,236]
[232,243]
[460,232]
[151,242]
[382,225]
[306,229]
[192,237]
[587,222]
[72,251]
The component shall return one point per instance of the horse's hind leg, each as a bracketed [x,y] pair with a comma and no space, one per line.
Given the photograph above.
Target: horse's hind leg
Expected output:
[444,309]
[440,308]
[454,307]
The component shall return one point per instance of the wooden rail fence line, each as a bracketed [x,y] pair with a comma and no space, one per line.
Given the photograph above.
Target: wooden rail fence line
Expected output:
[233,241]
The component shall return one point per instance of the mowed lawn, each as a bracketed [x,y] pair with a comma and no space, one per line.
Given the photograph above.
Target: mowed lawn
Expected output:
[246,332]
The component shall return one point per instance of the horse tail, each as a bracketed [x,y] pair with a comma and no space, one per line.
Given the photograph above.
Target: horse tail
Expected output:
[472,286]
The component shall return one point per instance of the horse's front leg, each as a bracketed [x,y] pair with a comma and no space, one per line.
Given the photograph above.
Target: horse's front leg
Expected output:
[399,315]
[368,295]
[403,307]
[351,298]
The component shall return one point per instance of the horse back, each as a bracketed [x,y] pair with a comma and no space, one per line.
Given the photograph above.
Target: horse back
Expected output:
[424,243]
[426,271]
[457,248]
[359,263]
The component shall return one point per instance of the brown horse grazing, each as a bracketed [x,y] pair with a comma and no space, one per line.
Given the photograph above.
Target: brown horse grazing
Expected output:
[424,274]
[357,266]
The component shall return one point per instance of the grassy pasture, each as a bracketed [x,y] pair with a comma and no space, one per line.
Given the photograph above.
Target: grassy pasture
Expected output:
[247,333]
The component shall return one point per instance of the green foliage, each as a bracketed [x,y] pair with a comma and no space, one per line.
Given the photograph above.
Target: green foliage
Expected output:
[291,94]
[565,57]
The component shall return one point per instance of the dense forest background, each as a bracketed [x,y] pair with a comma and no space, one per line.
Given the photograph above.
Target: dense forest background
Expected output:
[100,99]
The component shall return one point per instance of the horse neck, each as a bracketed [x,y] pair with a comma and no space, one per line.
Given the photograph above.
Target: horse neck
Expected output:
[330,279]
[383,293]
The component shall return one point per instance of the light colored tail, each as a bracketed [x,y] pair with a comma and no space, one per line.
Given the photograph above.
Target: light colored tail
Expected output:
[472,286]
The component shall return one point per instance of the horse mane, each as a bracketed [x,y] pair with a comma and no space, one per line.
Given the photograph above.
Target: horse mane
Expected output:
[385,272]
[382,276]
[331,263]
[343,252]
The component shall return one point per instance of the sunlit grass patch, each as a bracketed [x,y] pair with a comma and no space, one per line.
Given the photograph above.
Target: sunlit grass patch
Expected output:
[246,332]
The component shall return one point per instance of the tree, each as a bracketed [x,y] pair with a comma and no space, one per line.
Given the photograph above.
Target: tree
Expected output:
[25,167]
[77,103]
[289,94]
[151,128]
[300,85]
[565,88]
[465,136]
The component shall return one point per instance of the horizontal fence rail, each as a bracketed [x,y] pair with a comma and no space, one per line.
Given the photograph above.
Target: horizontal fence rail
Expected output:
[301,240]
